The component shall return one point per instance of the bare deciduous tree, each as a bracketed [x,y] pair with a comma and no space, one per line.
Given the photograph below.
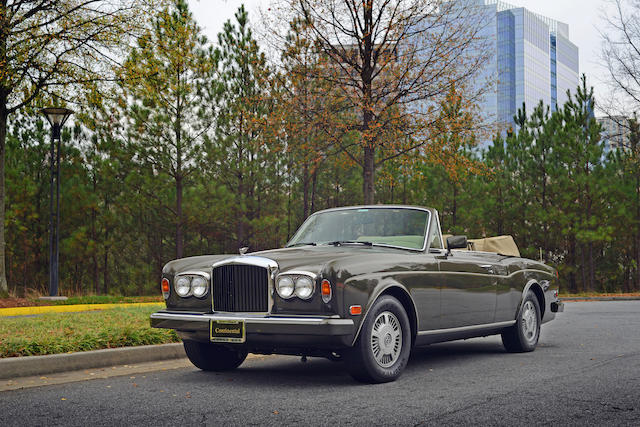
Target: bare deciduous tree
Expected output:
[621,55]
[46,46]
[392,62]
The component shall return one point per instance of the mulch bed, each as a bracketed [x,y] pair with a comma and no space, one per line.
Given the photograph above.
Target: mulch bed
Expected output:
[19,302]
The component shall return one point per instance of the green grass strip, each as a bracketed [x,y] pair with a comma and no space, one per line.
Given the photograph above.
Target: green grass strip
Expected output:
[106,299]
[68,332]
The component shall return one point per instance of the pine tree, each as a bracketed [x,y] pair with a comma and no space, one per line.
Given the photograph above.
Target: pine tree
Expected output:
[243,153]
[164,78]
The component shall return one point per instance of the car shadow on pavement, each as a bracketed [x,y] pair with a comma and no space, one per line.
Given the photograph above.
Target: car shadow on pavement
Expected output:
[278,371]
[290,371]
[455,350]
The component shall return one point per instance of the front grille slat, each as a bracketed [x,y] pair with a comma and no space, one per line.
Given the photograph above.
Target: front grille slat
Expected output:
[240,288]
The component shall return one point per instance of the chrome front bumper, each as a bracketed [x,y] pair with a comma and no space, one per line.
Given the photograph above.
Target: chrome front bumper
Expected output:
[311,331]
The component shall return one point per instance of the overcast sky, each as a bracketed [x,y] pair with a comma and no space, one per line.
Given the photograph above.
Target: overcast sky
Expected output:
[583,18]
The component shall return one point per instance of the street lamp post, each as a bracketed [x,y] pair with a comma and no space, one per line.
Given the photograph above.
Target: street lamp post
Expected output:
[56,118]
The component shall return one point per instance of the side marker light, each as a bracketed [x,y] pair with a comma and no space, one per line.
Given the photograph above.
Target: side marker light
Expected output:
[355,310]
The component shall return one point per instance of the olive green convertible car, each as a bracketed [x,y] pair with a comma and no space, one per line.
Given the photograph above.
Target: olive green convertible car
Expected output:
[360,284]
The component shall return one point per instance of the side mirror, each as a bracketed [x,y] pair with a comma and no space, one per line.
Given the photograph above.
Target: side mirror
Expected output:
[456,242]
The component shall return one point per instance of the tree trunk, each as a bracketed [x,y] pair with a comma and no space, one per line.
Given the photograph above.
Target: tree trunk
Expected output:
[179,228]
[592,273]
[637,284]
[305,191]
[368,175]
[4,288]
[105,272]
[94,238]
[404,189]
[573,286]
[583,269]
[454,213]
[240,228]
[314,181]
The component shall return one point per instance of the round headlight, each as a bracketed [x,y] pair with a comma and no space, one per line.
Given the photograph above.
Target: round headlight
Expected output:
[285,286]
[304,287]
[199,286]
[183,286]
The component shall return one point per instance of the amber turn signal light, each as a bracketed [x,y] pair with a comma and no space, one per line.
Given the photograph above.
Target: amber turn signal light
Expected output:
[355,310]
[165,287]
[326,290]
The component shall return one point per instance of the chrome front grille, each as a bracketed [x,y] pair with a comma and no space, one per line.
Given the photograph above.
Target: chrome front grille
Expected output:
[240,288]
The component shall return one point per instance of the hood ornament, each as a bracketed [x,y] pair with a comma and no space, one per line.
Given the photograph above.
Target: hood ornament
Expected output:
[243,250]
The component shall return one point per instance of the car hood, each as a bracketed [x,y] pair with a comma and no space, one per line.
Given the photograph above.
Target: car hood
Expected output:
[307,258]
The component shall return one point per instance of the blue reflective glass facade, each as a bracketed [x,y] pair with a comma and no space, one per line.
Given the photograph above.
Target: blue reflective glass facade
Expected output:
[534,61]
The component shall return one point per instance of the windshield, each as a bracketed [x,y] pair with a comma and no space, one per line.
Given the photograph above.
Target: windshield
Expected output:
[401,227]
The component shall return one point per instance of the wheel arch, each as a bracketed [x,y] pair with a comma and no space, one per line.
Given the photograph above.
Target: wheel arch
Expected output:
[400,293]
[535,287]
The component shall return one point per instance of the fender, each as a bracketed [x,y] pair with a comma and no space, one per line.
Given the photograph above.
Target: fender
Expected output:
[381,290]
[531,284]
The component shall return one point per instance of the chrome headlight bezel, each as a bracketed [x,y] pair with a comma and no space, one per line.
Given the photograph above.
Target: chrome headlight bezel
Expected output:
[293,283]
[285,286]
[182,286]
[190,277]
[305,287]
[199,286]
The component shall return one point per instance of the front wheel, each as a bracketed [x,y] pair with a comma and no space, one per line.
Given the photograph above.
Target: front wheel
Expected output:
[382,349]
[523,336]
[213,357]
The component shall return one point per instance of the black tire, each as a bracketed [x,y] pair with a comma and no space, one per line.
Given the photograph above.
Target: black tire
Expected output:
[524,335]
[213,357]
[379,360]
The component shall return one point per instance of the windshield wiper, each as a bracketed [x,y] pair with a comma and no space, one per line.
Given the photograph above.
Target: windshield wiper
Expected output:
[357,242]
[302,244]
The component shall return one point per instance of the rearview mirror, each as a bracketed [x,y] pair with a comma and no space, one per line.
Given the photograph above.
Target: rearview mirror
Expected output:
[456,242]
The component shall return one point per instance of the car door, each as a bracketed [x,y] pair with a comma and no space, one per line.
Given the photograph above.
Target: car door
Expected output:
[424,285]
[468,289]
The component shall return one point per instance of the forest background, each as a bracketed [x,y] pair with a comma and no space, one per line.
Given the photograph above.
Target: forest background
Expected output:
[190,147]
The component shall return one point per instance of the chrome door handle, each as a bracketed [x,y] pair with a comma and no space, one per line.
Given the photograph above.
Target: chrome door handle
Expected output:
[487,267]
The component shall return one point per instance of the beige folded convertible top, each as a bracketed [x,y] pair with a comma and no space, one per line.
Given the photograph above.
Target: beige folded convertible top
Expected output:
[503,245]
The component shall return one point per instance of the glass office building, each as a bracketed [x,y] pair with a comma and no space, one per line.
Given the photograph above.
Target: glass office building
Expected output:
[533,61]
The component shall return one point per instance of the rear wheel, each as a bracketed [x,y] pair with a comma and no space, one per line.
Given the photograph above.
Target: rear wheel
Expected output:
[213,357]
[382,349]
[523,336]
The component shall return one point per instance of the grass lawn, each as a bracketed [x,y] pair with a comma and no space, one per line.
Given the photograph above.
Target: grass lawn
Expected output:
[67,332]
[598,294]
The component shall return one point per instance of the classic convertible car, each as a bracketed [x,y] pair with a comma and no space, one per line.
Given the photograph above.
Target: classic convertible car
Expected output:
[361,284]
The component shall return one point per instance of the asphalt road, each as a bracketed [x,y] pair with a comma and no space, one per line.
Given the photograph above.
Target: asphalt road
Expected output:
[586,370]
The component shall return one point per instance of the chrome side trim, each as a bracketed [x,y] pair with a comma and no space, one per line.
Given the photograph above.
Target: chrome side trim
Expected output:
[469,328]
[401,273]
[247,318]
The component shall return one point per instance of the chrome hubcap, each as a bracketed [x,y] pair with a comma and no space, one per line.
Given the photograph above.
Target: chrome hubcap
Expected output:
[386,339]
[529,321]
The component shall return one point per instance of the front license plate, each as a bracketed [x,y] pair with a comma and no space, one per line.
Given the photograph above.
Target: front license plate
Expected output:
[227,331]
